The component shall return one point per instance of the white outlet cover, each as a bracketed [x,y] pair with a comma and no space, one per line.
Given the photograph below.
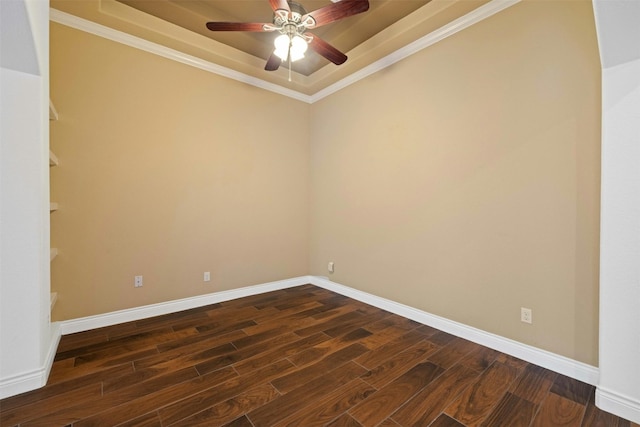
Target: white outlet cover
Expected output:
[526,315]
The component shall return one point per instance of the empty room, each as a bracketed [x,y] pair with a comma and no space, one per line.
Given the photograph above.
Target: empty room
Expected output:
[407,213]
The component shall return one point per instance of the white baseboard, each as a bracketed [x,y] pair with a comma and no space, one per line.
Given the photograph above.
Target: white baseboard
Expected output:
[143,312]
[606,400]
[563,365]
[56,334]
[22,383]
[618,404]
[36,378]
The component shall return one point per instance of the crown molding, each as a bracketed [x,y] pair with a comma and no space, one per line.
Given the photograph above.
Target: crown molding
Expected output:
[455,26]
[157,49]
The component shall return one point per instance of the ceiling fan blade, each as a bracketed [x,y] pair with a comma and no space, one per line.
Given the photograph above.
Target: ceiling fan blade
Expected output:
[325,49]
[273,63]
[336,11]
[238,26]
[279,5]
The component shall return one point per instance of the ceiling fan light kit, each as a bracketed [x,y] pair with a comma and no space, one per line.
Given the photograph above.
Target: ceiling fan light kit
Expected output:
[290,46]
[292,21]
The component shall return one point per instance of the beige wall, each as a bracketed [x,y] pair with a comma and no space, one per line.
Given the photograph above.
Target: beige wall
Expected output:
[464,180]
[168,171]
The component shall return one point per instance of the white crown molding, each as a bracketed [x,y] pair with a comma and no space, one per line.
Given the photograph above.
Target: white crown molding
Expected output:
[147,46]
[457,25]
[453,27]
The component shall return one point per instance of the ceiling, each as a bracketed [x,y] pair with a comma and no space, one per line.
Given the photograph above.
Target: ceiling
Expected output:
[344,34]
[367,37]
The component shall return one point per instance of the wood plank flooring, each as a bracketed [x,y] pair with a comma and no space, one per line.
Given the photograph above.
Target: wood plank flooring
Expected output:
[298,357]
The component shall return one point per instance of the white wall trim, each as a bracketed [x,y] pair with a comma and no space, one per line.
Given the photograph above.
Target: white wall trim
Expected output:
[619,404]
[21,383]
[465,21]
[145,311]
[34,379]
[473,17]
[546,359]
[555,362]
[56,334]
[157,49]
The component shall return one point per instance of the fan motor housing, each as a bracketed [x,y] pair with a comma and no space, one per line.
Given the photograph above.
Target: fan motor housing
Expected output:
[296,8]
[297,12]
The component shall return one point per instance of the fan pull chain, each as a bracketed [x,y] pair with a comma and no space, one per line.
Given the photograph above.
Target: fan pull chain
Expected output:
[290,60]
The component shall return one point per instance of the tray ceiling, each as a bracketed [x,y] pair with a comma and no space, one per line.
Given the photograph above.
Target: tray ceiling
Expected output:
[387,26]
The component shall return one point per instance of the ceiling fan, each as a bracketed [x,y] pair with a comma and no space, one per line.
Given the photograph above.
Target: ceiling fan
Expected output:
[292,21]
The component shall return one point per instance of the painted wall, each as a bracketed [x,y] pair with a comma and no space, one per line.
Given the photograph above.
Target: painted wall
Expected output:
[168,171]
[620,262]
[618,35]
[27,341]
[464,180]
[20,243]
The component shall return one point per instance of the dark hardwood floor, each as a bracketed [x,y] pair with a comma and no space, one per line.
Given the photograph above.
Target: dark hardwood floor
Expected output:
[298,357]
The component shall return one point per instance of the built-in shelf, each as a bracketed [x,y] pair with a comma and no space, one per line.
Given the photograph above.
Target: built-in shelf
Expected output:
[53,114]
[53,206]
[53,159]
[54,298]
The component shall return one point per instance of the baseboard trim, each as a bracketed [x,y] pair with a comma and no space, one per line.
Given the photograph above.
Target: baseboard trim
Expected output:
[143,312]
[36,378]
[22,383]
[557,363]
[56,334]
[618,404]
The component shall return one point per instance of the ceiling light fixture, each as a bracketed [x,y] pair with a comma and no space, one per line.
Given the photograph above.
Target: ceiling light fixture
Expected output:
[291,44]
[292,21]
[288,46]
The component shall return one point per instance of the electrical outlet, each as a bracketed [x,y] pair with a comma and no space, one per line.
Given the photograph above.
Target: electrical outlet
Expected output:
[526,315]
[207,276]
[137,282]
[330,267]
